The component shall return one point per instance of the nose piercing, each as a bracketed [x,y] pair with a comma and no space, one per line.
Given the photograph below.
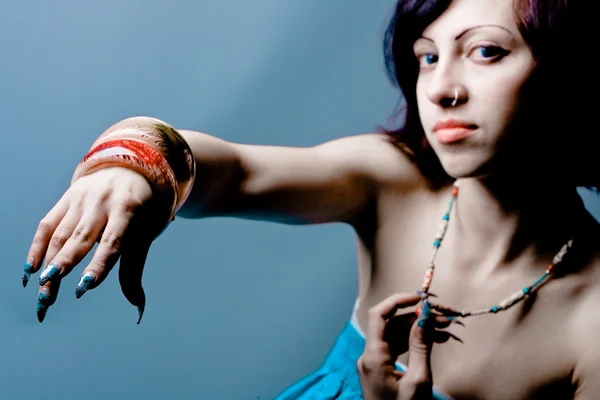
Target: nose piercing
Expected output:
[455,101]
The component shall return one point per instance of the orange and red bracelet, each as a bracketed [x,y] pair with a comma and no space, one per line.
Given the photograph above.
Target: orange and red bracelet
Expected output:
[150,147]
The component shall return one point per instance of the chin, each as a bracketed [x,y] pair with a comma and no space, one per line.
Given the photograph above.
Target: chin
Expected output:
[465,165]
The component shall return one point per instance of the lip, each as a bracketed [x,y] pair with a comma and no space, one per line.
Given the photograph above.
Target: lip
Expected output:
[453,124]
[453,130]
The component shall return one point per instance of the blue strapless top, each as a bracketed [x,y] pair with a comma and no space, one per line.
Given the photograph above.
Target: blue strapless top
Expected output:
[337,378]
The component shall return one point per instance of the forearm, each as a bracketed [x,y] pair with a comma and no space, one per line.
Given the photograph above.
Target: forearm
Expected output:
[218,173]
[331,182]
[162,154]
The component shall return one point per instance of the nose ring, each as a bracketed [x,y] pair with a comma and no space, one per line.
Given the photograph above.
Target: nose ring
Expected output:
[455,101]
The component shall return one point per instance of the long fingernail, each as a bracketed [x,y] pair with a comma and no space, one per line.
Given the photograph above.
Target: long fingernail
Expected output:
[424,314]
[43,303]
[48,273]
[425,295]
[141,306]
[27,270]
[140,312]
[84,284]
[423,322]
[455,338]
[41,312]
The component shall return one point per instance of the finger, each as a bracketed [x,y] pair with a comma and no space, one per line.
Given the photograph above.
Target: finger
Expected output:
[80,243]
[379,314]
[425,295]
[106,255]
[133,259]
[442,317]
[397,331]
[444,336]
[61,234]
[457,322]
[398,325]
[442,322]
[47,295]
[380,380]
[41,239]
[419,348]
[396,334]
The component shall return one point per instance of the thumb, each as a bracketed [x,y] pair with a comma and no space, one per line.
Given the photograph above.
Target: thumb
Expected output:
[418,375]
[131,269]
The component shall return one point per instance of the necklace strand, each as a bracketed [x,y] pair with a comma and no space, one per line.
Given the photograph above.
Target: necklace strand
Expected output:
[503,305]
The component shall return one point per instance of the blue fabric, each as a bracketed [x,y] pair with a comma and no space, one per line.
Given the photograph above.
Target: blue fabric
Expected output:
[337,377]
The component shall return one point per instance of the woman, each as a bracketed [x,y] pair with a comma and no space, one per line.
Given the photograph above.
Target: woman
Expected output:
[497,98]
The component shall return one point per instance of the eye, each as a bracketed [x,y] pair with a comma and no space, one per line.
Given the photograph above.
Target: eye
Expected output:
[489,53]
[427,59]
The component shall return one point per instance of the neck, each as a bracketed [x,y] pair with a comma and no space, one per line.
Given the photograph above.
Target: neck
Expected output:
[501,219]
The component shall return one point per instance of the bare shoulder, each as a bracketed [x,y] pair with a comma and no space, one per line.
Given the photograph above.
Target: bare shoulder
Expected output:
[585,322]
[335,181]
[376,157]
[586,373]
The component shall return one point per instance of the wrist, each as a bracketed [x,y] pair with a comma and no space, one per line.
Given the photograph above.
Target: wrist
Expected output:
[150,147]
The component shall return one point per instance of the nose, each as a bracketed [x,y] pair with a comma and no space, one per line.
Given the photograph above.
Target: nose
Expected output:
[444,88]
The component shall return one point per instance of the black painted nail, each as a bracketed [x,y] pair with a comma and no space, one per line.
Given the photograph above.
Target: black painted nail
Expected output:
[141,306]
[455,338]
[140,312]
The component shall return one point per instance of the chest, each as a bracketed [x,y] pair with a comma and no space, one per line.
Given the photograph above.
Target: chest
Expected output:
[524,352]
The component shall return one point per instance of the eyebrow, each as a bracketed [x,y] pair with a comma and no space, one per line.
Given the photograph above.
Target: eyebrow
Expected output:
[470,29]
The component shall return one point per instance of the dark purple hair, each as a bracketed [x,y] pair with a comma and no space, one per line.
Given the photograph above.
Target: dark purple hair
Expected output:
[558,96]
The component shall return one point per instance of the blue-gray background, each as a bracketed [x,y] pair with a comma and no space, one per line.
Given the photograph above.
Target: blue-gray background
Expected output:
[236,309]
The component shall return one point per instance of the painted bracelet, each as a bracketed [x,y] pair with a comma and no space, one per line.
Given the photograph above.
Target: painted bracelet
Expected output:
[148,146]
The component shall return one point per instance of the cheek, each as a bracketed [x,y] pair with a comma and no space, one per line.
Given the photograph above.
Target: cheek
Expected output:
[502,93]
[423,104]
[499,101]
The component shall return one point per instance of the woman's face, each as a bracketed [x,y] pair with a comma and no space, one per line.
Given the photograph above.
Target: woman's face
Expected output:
[473,52]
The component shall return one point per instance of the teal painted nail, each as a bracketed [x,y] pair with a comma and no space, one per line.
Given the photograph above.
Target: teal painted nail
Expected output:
[44,302]
[425,315]
[41,312]
[48,273]
[27,270]
[84,284]
[25,278]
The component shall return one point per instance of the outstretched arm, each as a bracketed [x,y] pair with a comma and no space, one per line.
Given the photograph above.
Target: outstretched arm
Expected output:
[331,182]
[124,210]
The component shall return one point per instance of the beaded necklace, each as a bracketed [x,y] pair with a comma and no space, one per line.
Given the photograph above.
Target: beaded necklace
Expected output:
[505,304]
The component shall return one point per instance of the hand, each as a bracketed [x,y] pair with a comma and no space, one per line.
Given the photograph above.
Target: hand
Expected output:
[113,207]
[390,334]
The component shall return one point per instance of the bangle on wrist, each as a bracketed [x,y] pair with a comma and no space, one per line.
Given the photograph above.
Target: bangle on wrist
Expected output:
[150,147]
